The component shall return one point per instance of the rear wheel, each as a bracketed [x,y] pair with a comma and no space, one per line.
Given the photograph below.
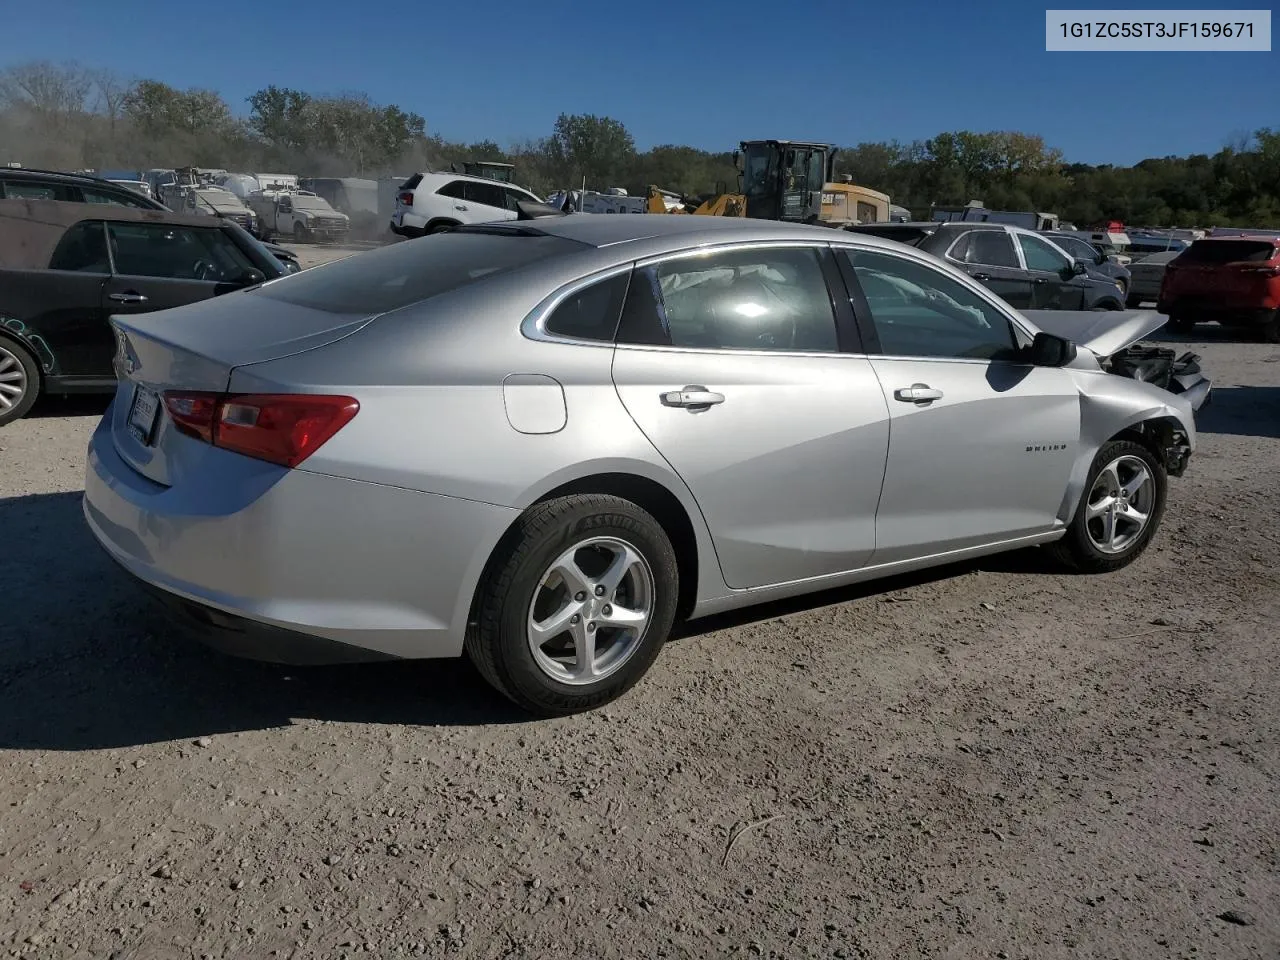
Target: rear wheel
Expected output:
[1119,513]
[1271,329]
[577,606]
[19,381]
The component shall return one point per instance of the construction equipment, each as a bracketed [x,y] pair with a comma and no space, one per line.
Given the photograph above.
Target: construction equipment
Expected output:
[845,204]
[784,179]
[719,204]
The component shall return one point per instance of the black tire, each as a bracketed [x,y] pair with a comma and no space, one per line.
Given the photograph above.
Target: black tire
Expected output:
[497,639]
[1133,303]
[439,226]
[18,371]
[300,232]
[1271,329]
[1180,324]
[1077,550]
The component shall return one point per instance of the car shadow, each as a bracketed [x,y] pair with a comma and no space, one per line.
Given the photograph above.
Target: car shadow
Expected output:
[1028,561]
[89,661]
[1241,412]
[71,405]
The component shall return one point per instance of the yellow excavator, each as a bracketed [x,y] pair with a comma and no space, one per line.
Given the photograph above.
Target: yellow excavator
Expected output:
[791,180]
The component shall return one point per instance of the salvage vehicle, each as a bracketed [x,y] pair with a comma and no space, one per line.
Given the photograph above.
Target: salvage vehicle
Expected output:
[542,443]
[298,214]
[975,212]
[1097,259]
[1026,269]
[73,188]
[214,202]
[66,267]
[433,202]
[1146,273]
[1234,281]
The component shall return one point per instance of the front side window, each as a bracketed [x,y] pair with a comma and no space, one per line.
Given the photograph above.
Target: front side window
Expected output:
[176,253]
[1041,255]
[918,311]
[83,249]
[453,189]
[488,194]
[33,191]
[113,199]
[758,299]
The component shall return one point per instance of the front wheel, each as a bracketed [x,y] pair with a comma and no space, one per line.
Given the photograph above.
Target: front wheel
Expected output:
[1271,329]
[300,232]
[1119,513]
[19,381]
[576,607]
[1180,324]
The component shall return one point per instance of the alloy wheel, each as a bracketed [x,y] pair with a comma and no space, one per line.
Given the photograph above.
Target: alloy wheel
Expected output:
[590,610]
[13,380]
[1120,504]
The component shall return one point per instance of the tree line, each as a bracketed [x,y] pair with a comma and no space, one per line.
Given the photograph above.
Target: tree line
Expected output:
[70,116]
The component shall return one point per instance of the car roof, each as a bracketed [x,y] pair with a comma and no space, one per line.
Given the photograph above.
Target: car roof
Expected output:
[444,175]
[33,173]
[673,230]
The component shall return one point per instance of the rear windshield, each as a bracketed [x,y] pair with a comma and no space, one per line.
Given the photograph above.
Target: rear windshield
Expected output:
[412,271]
[411,182]
[1228,251]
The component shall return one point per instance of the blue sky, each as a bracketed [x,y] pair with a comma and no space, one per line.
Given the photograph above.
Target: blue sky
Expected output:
[702,73]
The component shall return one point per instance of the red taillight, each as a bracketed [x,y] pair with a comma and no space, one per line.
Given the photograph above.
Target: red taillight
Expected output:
[192,413]
[1271,271]
[283,428]
[406,198]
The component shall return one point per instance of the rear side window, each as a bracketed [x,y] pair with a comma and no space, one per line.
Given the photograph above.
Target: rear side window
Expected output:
[22,190]
[92,195]
[994,248]
[591,313]
[1228,251]
[759,299]
[83,249]
[404,273]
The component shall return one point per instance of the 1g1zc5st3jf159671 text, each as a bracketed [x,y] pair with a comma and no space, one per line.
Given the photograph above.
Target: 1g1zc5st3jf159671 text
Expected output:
[1171,30]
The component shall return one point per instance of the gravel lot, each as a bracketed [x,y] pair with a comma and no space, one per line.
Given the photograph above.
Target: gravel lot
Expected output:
[988,760]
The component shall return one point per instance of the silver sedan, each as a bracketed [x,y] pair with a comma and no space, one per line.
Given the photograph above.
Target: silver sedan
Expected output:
[543,443]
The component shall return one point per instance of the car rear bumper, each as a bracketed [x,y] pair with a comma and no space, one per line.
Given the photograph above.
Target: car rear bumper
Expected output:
[267,560]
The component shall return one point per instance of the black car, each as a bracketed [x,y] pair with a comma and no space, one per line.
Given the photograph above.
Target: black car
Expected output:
[1021,266]
[23,183]
[1095,257]
[65,268]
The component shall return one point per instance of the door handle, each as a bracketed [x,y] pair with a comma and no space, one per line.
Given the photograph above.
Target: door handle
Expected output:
[459,206]
[129,297]
[980,276]
[917,393]
[692,396]
[1040,280]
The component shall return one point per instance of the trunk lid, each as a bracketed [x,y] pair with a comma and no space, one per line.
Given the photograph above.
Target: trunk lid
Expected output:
[196,347]
[1102,333]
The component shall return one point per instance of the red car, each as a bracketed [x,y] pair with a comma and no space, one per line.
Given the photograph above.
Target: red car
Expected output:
[1233,280]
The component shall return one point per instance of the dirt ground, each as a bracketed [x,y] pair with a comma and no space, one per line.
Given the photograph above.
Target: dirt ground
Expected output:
[989,760]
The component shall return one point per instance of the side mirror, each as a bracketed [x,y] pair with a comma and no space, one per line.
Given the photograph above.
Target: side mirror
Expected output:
[1049,351]
[252,277]
[1078,268]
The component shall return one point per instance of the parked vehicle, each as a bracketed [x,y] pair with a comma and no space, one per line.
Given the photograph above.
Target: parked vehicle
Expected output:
[431,202]
[215,202]
[1233,281]
[1096,258]
[1142,244]
[975,212]
[545,442]
[300,215]
[1026,269]
[74,188]
[1145,276]
[66,267]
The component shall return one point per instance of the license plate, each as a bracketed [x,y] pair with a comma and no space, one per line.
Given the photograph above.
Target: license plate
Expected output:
[142,415]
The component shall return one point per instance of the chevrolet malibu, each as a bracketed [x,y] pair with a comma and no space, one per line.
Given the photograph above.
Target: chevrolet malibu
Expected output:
[543,443]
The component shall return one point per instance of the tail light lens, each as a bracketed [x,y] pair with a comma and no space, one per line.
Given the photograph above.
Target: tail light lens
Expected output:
[283,428]
[406,198]
[1270,271]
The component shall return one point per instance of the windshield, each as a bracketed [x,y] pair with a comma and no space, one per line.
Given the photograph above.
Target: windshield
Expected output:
[310,203]
[219,198]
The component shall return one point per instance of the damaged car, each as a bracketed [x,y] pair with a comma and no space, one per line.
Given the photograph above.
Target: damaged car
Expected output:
[544,442]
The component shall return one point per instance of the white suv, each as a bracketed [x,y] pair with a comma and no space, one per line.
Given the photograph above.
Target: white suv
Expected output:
[428,202]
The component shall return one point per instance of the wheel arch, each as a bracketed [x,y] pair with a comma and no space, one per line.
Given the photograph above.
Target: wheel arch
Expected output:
[436,223]
[17,332]
[685,531]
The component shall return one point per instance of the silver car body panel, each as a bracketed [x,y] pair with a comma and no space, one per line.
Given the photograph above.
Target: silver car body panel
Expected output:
[807,476]
[1104,333]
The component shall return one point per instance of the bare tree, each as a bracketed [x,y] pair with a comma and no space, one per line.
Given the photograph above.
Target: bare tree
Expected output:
[111,90]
